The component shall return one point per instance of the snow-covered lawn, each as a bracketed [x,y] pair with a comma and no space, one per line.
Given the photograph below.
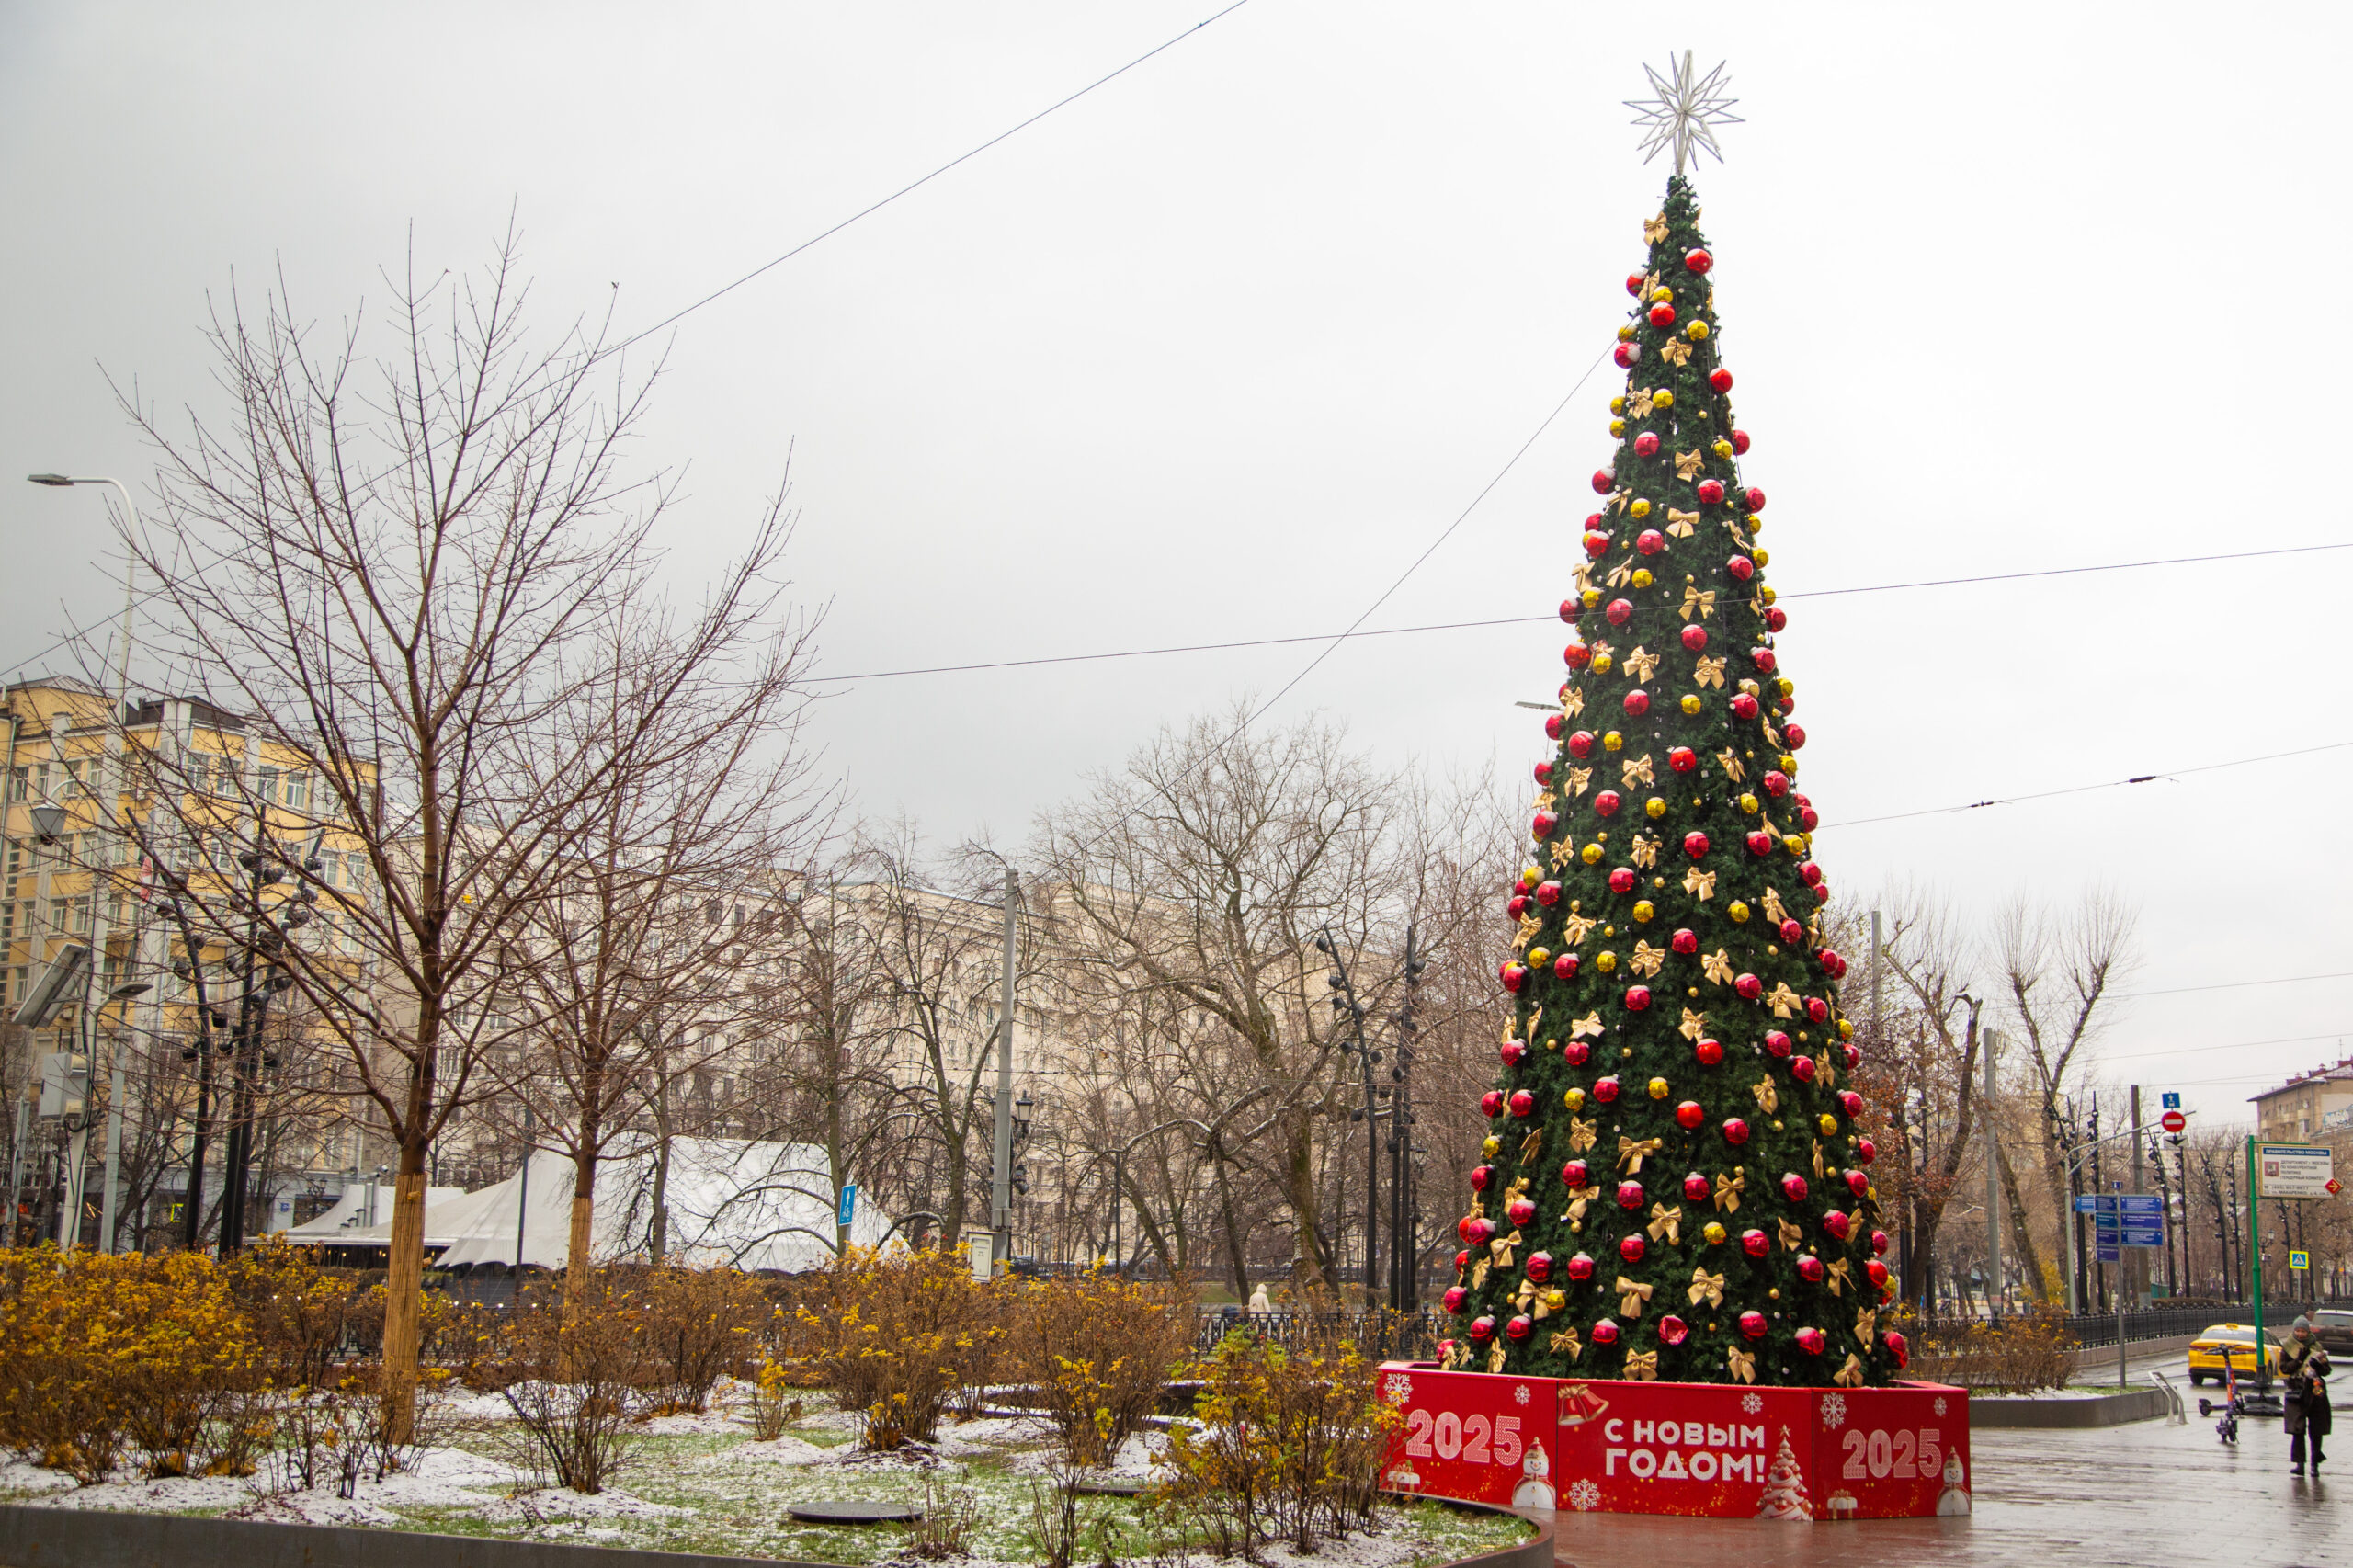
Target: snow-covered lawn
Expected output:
[700,1483]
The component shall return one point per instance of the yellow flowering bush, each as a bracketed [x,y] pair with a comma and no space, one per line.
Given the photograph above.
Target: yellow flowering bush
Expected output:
[1096,1351]
[896,1337]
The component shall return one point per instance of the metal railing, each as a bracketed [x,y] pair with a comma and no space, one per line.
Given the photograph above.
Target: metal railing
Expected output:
[1398,1336]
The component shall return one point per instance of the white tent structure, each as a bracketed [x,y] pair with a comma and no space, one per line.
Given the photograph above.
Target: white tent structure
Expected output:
[349,1214]
[733,1202]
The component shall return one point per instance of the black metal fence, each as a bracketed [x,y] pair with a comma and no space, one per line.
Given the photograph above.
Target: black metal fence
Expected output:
[1389,1336]
[2158,1323]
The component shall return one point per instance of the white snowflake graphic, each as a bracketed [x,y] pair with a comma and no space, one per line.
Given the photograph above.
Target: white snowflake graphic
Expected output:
[1752,1402]
[1585,1496]
[1519,1395]
[1834,1410]
[1397,1389]
[1940,1404]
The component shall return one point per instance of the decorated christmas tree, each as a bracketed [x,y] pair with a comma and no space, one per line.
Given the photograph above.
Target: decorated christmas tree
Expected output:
[1676,1181]
[1785,1495]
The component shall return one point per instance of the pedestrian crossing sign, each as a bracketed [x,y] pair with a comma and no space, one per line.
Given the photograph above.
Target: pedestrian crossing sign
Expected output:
[2300,1260]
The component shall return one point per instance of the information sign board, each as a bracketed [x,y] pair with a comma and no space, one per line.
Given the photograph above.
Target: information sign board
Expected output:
[2293,1170]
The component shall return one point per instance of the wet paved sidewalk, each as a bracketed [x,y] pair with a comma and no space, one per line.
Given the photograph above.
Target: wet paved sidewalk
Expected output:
[2144,1496]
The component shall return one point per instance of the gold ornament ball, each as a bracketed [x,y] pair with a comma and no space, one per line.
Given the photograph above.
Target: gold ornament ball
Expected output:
[1739,913]
[1573,1099]
[1643,910]
[1748,804]
[1793,844]
[1654,807]
[1606,962]
[1846,1029]
[1775,1292]
[1603,664]
[1555,1300]
[1659,1090]
[1785,686]
[1539,957]
[1530,875]
[1590,854]
[1759,554]
[1618,405]
[1491,1146]
[1691,703]
[1590,598]
[1661,295]
[1663,399]
[1697,331]
[1828,1123]
[1713,1234]
[1612,740]
[1625,335]
[1765,594]
[1788,763]
[1640,509]
[1723,448]
[1617,426]
[1642,578]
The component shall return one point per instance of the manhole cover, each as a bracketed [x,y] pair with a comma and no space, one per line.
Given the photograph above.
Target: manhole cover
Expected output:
[853,1512]
[1111,1486]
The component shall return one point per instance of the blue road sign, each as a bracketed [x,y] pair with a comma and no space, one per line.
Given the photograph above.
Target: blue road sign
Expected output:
[2169,1101]
[2087,1203]
[850,1205]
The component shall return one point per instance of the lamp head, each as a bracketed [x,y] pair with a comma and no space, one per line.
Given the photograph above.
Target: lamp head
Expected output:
[53,479]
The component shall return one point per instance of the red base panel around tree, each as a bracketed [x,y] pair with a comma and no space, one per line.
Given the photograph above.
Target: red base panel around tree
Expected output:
[1719,1450]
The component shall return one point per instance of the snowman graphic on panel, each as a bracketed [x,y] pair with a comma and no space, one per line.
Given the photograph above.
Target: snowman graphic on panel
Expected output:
[1535,1489]
[1953,1500]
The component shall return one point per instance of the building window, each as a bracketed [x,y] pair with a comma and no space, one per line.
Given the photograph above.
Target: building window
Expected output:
[80,924]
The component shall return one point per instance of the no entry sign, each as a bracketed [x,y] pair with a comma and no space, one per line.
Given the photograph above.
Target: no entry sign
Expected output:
[2173,1121]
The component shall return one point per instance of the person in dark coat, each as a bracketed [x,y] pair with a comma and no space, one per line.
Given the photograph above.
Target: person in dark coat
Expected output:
[2303,1371]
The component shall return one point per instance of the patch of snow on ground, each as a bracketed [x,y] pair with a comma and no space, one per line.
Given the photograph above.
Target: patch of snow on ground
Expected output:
[312,1508]
[20,1474]
[786,1449]
[557,1503]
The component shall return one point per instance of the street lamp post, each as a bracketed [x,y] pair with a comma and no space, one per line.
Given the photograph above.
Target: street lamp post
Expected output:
[109,795]
[1344,1003]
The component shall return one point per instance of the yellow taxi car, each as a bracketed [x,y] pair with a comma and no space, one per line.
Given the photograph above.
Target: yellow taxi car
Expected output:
[2206,1352]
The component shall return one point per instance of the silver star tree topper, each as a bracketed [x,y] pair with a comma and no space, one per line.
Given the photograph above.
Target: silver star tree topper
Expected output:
[1684,112]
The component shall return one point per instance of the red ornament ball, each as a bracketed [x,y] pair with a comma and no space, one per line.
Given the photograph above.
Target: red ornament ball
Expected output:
[1673,1330]
[1461,1261]
[1688,1116]
[1809,819]
[1776,782]
[1817,1009]
[1596,545]
[1756,1243]
[1605,1089]
[1491,1104]
[1521,1212]
[1809,1268]
[1634,281]
[1812,1341]
[1603,482]
[1744,706]
[1519,1326]
[1542,823]
[1480,1176]
[1454,1298]
[1698,261]
[1851,1103]
[1662,314]
[1777,1043]
[1629,1194]
[1695,845]
[1581,743]
[1865,1150]
[1748,987]
[1623,880]
[1522,1103]
[1695,1188]
[1840,1226]
[1637,702]
[1793,1188]
[1543,773]
[1879,1243]
[1576,655]
[1548,894]
[1755,498]
[1581,1267]
[1802,1068]
[1576,1051]
[1741,567]
[1810,874]
[1764,659]
[1650,541]
[1646,445]
[1625,354]
[1859,1184]
[1897,1348]
[1719,378]
[1638,998]
[1695,638]
[1711,491]
[1539,1266]
[1483,1329]
[1751,1323]
[1605,1333]
[1683,759]
[1740,443]
[1553,724]
[1574,1174]
[1875,1271]
[1684,941]
[1760,843]
[1565,966]
[1512,1051]
[1776,619]
[1708,1051]
[1630,1249]
[1620,612]
[1735,1131]
[1791,932]
[1516,905]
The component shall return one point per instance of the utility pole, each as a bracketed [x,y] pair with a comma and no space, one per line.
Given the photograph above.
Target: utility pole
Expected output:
[2254,1261]
[1404,1235]
[1344,1003]
[1988,1040]
[523,1193]
[1001,1177]
[2137,1276]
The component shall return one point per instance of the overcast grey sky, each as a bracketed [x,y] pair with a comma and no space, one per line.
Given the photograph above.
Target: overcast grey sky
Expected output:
[1217,351]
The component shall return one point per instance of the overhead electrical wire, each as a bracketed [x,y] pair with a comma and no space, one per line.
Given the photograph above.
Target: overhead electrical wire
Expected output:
[1335,637]
[2166,774]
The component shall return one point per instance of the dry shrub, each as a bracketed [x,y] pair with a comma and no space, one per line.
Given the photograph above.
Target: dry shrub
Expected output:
[2018,1354]
[896,1337]
[476,1342]
[578,1391]
[774,1406]
[1289,1444]
[302,1316]
[700,1326]
[100,1354]
[1097,1350]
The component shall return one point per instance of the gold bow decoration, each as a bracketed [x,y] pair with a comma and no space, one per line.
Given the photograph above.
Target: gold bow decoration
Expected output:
[1693,1026]
[1666,1225]
[1775,910]
[1836,1276]
[1769,1099]
[1632,1151]
[1632,1296]
[1741,1364]
[1640,665]
[1850,1376]
[1682,525]
[1688,463]
[1772,734]
[1479,1274]
[1617,502]
[1731,765]
[1728,1190]
[1865,1323]
[1701,599]
[1784,1001]
[1702,883]
[1528,926]
[1582,1133]
[1620,573]
[1583,575]
[1501,1247]
[1708,672]
[1535,1017]
[1824,1071]
[1817,1159]
[1591,1023]
[1562,853]
[1717,967]
[1707,1288]
[1544,802]
[1456,1355]
[1580,780]
[1645,960]
[1579,1197]
[1638,771]
[1639,403]
[1674,351]
[1565,1341]
[1573,699]
[1646,852]
[1533,1301]
[1531,1146]
[1642,1366]
[1732,526]
[1791,1237]
[1496,1356]
[1653,231]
